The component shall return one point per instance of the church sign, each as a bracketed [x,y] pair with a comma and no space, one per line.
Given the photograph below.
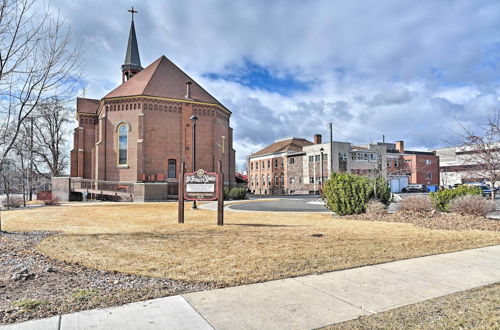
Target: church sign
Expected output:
[200,186]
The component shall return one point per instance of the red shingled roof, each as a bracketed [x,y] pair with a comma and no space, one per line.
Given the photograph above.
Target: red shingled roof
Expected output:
[162,78]
[86,105]
[291,144]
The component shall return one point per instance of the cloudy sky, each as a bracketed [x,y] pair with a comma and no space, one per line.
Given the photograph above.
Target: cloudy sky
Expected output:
[409,70]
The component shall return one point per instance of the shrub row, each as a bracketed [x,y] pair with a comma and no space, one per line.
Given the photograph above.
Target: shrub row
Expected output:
[465,200]
[442,198]
[13,202]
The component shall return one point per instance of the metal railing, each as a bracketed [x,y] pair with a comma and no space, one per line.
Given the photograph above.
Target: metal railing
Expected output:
[114,188]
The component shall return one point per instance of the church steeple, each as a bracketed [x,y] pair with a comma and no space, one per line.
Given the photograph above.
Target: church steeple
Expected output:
[132,63]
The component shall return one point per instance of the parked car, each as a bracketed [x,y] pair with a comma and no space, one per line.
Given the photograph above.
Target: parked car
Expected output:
[486,190]
[414,187]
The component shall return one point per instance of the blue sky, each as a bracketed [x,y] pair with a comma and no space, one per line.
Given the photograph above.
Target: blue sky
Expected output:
[409,70]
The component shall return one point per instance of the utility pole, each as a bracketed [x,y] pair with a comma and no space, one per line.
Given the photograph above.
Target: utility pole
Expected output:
[331,148]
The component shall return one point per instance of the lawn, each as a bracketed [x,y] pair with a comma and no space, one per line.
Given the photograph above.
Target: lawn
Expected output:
[145,239]
[471,309]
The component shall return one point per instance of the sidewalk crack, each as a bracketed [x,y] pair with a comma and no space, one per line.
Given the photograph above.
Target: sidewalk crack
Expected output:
[338,298]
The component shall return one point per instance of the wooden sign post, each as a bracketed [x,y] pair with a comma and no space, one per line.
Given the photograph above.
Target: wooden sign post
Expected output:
[220,197]
[202,186]
[181,193]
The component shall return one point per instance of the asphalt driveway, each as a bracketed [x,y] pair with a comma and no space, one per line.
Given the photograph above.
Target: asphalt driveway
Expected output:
[285,204]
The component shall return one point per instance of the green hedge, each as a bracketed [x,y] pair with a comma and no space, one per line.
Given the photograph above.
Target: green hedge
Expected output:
[235,193]
[442,198]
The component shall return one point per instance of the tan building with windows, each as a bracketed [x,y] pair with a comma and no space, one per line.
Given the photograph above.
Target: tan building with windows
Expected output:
[297,166]
[306,165]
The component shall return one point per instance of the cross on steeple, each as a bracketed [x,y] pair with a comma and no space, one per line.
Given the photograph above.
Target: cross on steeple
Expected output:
[133,12]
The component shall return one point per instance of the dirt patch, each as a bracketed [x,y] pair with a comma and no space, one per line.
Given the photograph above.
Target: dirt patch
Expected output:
[34,286]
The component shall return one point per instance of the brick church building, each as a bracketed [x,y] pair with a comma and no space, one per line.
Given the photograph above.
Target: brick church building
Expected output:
[142,131]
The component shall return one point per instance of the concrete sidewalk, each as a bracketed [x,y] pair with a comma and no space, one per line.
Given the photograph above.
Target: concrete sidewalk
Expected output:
[305,302]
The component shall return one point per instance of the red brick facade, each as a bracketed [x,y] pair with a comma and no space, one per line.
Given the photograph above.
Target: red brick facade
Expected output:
[159,130]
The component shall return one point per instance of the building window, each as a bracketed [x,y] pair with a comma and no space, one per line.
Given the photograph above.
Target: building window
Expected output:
[324,157]
[292,160]
[275,163]
[388,163]
[311,179]
[428,162]
[282,180]
[291,180]
[311,159]
[172,168]
[268,164]
[251,166]
[276,180]
[269,180]
[256,165]
[429,175]
[342,156]
[122,144]
[396,162]
[282,163]
[316,158]
[263,180]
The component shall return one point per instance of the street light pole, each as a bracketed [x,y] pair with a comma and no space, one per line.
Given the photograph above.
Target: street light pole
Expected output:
[331,148]
[321,164]
[194,118]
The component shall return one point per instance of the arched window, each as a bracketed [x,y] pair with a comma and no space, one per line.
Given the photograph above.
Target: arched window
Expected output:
[172,168]
[122,144]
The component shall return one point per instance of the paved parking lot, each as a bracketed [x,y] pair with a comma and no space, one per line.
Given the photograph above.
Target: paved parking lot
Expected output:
[285,204]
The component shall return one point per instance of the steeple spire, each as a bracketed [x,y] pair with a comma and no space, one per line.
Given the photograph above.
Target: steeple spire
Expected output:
[132,63]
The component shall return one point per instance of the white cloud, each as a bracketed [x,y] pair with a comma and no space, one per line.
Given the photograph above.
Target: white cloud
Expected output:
[407,69]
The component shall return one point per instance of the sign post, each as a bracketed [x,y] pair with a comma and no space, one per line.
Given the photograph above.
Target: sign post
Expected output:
[220,197]
[202,186]
[181,193]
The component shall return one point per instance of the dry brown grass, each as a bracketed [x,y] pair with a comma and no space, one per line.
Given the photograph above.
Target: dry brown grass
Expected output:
[145,239]
[471,309]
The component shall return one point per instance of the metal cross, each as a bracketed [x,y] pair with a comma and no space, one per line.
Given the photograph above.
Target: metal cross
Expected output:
[133,12]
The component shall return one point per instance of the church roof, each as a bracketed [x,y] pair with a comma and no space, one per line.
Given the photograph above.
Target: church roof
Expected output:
[162,78]
[287,145]
[84,105]
[132,58]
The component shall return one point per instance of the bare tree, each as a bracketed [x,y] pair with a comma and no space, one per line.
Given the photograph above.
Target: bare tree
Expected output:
[50,133]
[36,63]
[480,151]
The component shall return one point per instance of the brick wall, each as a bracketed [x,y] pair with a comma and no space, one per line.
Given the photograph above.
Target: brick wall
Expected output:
[159,130]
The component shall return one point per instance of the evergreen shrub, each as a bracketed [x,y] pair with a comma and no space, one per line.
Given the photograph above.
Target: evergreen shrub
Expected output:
[442,198]
[237,193]
[347,193]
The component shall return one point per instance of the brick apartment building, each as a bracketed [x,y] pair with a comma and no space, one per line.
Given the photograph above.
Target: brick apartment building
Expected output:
[422,167]
[297,166]
[141,131]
